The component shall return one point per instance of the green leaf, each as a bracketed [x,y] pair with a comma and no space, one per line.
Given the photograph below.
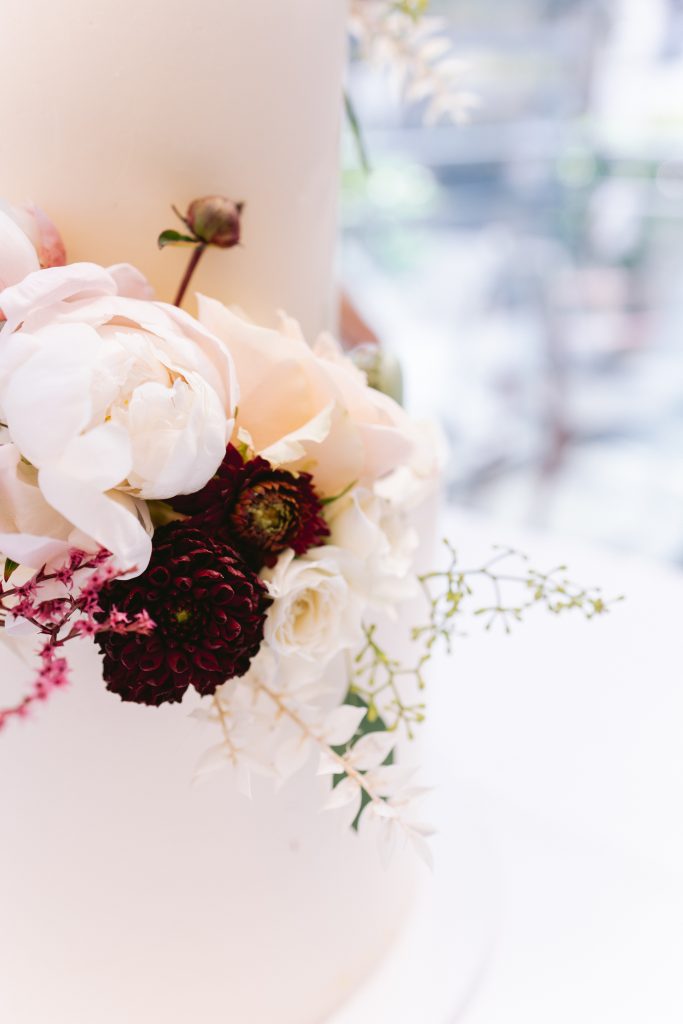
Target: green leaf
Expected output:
[10,566]
[357,134]
[172,237]
[414,8]
[342,494]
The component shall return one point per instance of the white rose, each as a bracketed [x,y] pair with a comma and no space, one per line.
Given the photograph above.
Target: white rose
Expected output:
[315,613]
[378,546]
[112,399]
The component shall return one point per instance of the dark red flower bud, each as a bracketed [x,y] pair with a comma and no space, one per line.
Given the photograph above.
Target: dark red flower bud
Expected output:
[259,510]
[215,220]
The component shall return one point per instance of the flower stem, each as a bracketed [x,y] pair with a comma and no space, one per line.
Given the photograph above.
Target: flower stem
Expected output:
[197,254]
[357,133]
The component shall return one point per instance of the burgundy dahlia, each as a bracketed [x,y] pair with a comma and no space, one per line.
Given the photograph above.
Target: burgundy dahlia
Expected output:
[259,510]
[208,607]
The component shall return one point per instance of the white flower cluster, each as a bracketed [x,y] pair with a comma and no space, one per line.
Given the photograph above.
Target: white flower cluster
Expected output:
[289,709]
[274,723]
[416,53]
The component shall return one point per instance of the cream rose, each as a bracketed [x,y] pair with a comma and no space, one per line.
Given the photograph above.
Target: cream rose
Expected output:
[111,399]
[315,613]
[310,408]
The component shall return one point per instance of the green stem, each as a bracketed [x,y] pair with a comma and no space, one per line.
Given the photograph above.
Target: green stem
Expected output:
[357,133]
[197,254]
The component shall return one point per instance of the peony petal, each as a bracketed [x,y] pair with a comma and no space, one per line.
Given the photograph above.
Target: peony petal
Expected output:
[51,387]
[18,258]
[54,285]
[386,448]
[117,522]
[291,447]
[216,352]
[32,551]
[101,457]
[178,434]
[31,531]
[130,282]
[45,237]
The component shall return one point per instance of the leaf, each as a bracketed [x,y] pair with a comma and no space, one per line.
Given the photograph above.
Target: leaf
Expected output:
[338,497]
[422,848]
[342,795]
[328,765]
[292,756]
[389,835]
[10,566]
[372,750]
[342,724]
[373,722]
[434,48]
[389,779]
[212,760]
[172,237]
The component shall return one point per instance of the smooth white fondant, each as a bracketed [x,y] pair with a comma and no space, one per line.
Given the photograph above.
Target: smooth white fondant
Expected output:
[134,894]
[128,893]
[114,111]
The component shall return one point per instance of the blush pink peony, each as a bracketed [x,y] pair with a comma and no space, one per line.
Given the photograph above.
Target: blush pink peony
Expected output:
[28,241]
[310,408]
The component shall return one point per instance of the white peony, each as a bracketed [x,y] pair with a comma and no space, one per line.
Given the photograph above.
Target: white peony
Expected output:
[111,399]
[315,613]
[32,533]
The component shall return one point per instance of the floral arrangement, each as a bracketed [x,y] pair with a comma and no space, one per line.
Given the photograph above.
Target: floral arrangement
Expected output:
[225,510]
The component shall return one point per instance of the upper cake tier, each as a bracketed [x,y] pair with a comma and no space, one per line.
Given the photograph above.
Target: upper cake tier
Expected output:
[114,111]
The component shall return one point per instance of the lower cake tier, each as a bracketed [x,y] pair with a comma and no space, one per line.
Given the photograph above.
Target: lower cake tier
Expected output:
[130,893]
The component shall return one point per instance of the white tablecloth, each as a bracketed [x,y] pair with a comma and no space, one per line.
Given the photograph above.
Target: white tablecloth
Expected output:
[558,891]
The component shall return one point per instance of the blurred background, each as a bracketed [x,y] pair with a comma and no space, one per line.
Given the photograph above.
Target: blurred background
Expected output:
[526,266]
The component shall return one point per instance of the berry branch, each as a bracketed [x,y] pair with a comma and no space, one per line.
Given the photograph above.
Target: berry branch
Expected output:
[451,594]
[74,613]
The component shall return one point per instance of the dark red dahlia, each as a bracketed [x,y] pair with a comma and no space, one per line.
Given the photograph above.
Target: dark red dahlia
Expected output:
[209,609]
[259,510]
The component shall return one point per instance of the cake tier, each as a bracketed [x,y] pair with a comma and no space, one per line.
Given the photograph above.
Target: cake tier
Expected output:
[128,893]
[119,109]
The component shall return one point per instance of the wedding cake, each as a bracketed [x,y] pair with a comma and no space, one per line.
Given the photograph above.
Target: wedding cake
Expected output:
[120,110]
[128,891]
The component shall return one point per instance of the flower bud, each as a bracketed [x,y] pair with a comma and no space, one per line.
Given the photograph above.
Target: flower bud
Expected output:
[215,220]
[382,369]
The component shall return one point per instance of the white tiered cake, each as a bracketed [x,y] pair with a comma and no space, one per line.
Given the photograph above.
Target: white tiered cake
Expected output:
[121,109]
[127,893]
